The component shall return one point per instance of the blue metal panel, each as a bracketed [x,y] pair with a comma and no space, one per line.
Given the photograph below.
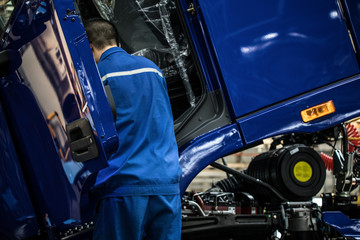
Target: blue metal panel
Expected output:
[286,118]
[87,73]
[352,9]
[269,51]
[202,47]
[205,149]
[49,90]
[348,227]
[18,220]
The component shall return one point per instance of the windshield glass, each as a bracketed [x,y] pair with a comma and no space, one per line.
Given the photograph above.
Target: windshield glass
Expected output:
[6,8]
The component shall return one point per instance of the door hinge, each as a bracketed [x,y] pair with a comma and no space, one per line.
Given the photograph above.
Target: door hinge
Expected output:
[191,9]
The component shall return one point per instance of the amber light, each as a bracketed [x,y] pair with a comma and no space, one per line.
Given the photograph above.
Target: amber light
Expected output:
[317,111]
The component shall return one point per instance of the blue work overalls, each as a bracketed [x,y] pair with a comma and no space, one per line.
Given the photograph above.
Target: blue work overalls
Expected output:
[140,188]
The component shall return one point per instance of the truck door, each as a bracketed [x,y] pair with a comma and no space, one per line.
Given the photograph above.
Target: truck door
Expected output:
[58,115]
[269,52]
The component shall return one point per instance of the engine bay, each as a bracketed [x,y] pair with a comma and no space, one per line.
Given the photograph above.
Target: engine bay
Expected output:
[274,198]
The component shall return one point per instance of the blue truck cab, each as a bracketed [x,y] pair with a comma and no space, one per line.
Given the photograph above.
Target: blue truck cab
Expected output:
[237,73]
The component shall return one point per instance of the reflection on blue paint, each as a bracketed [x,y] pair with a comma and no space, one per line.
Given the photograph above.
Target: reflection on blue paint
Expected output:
[75,171]
[339,221]
[41,9]
[206,149]
[71,169]
[17,219]
[269,51]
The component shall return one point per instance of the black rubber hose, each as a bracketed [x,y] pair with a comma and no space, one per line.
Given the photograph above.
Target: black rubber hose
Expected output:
[248,178]
[345,139]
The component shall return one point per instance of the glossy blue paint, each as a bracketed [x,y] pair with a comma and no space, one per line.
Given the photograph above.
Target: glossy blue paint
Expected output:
[202,46]
[352,10]
[269,51]
[50,89]
[58,83]
[286,118]
[205,149]
[348,227]
[87,73]
[18,220]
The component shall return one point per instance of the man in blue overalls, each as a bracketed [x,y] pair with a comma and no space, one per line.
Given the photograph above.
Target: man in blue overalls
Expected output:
[140,188]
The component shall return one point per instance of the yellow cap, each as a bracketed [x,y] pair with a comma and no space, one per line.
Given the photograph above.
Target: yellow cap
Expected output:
[302,171]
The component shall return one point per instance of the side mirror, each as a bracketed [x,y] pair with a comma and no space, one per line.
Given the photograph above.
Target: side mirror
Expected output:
[10,60]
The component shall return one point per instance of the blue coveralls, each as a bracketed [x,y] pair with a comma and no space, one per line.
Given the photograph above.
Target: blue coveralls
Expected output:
[140,188]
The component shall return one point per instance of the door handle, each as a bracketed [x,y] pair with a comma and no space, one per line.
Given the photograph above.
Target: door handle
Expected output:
[81,140]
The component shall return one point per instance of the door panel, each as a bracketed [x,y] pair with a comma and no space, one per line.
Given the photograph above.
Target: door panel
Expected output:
[48,91]
[269,51]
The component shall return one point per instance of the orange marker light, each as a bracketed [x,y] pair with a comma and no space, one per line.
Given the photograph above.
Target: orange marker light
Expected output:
[317,111]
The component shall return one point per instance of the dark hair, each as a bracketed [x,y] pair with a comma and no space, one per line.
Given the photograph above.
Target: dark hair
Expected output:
[101,33]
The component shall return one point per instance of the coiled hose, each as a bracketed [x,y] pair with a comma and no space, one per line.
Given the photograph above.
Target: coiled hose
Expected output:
[354,141]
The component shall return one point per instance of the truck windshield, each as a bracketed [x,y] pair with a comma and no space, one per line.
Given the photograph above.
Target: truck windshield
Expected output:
[6,8]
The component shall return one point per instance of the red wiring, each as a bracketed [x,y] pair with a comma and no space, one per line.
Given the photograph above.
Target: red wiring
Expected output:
[353,136]
[354,140]
[329,162]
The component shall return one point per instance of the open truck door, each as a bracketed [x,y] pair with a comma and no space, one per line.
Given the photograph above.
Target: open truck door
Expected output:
[56,122]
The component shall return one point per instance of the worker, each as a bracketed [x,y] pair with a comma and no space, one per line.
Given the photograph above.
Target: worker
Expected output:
[139,190]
